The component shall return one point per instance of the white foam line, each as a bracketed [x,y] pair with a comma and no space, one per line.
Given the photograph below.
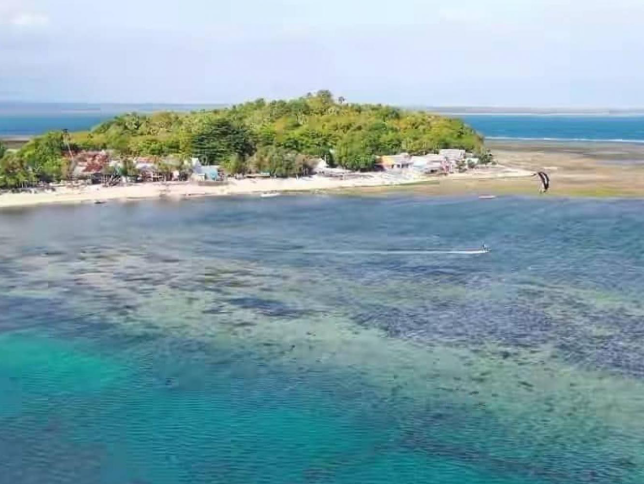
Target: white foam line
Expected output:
[588,140]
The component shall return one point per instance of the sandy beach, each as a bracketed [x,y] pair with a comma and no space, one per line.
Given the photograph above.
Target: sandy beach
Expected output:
[576,169]
[582,169]
[181,190]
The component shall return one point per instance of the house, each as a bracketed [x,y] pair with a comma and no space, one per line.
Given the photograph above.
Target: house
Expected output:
[321,167]
[88,164]
[211,172]
[204,172]
[176,165]
[147,169]
[453,156]
[430,164]
[395,162]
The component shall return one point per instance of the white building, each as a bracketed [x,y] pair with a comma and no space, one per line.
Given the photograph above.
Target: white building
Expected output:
[395,162]
[453,156]
[323,169]
[429,163]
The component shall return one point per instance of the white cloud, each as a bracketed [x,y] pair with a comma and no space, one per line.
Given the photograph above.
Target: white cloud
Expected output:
[30,20]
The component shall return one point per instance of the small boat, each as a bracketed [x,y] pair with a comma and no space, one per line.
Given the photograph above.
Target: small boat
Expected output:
[99,202]
[269,194]
[487,197]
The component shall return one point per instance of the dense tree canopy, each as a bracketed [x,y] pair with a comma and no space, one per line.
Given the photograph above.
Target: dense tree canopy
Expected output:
[275,137]
[14,172]
[44,156]
[313,125]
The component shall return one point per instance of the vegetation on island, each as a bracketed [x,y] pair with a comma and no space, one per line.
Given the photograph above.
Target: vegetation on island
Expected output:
[277,137]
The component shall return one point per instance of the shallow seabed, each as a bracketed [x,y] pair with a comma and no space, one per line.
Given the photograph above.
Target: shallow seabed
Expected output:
[280,341]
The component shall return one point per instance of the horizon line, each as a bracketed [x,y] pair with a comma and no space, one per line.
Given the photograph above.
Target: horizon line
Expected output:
[444,109]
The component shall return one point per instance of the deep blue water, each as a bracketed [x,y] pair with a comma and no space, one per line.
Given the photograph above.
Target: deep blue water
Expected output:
[27,119]
[278,341]
[29,124]
[567,128]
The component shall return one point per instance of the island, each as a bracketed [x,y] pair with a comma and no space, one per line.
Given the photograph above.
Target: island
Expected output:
[315,142]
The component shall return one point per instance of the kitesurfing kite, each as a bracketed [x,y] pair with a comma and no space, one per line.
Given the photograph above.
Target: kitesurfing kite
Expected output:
[545,181]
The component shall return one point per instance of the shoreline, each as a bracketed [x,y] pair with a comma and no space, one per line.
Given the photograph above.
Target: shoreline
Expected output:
[247,186]
[15,142]
[577,169]
[584,170]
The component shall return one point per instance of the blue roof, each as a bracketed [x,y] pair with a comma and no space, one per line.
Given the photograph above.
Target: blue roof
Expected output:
[211,172]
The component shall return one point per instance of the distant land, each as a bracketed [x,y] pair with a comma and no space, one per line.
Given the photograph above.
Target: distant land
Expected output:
[15,107]
[11,107]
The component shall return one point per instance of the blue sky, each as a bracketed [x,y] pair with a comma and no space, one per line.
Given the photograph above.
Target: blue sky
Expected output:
[568,53]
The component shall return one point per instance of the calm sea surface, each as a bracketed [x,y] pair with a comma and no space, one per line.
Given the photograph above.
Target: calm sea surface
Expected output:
[21,124]
[280,341]
[27,119]
[620,129]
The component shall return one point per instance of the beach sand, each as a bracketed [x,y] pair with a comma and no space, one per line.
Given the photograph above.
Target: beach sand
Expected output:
[575,169]
[180,190]
[578,169]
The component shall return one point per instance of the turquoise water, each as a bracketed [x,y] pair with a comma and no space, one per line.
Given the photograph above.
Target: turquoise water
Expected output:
[277,341]
[34,124]
[29,119]
[619,129]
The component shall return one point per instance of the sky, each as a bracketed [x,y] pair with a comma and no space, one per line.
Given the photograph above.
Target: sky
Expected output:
[502,53]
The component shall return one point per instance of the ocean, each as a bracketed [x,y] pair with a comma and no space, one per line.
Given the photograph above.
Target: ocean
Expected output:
[34,119]
[31,119]
[23,124]
[617,129]
[323,339]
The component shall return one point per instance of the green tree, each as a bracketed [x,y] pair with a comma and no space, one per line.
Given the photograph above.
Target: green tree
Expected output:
[44,157]
[165,169]
[215,139]
[485,156]
[315,125]
[120,143]
[281,163]
[259,162]
[3,149]
[307,140]
[235,164]
[88,141]
[147,145]
[355,152]
[304,165]
[127,168]
[14,172]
